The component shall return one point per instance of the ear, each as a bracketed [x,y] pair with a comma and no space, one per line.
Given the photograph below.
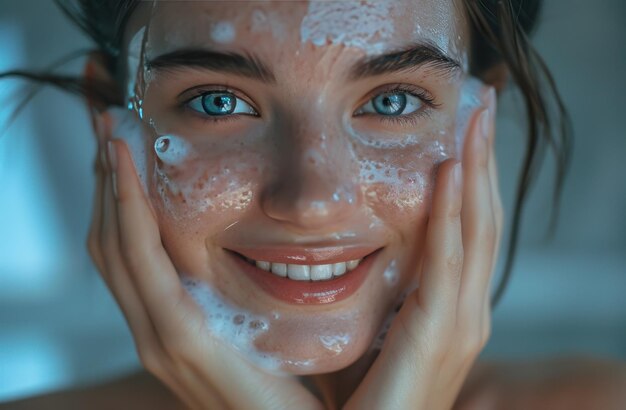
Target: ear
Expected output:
[97,77]
[496,76]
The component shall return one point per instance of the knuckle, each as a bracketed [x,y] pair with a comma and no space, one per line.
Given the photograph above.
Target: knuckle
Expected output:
[473,346]
[483,161]
[498,210]
[149,359]
[486,233]
[132,257]
[454,262]
[109,246]
[174,346]
[486,336]
[499,220]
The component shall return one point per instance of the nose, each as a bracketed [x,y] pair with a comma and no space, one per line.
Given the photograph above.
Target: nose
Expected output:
[316,184]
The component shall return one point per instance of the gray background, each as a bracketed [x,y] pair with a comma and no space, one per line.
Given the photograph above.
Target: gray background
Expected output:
[60,327]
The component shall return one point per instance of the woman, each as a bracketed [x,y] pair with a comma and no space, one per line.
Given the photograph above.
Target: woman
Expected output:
[277,179]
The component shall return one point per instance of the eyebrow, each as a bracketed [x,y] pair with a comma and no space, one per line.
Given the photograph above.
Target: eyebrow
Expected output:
[407,59]
[245,65]
[248,65]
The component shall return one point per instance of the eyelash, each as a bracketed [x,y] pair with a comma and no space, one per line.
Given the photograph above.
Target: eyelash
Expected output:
[407,119]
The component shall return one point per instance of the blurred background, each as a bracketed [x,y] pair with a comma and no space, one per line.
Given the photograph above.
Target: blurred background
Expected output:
[59,326]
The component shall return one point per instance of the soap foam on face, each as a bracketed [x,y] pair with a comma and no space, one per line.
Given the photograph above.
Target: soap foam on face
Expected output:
[234,326]
[223,32]
[335,343]
[391,273]
[365,24]
[172,150]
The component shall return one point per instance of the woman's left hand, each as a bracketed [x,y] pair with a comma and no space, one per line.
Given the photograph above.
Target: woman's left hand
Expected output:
[445,323]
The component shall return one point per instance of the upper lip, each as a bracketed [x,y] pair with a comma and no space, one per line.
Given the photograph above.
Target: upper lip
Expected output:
[306,255]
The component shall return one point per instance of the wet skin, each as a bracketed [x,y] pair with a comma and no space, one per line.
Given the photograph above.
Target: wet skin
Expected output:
[305,163]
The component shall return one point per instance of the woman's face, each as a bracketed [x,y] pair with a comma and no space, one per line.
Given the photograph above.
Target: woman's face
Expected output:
[296,139]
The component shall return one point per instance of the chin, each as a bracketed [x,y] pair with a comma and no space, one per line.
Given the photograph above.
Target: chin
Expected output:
[304,353]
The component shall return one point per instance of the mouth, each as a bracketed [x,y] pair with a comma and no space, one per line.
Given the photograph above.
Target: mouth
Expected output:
[307,276]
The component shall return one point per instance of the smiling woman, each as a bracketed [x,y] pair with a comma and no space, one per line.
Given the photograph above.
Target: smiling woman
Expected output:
[297,202]
[298,174]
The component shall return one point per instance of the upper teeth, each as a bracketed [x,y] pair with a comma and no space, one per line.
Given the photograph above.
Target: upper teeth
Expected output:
[308,272]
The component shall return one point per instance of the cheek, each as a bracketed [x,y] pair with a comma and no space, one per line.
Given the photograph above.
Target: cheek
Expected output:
[203,188]
[198,197]
[188,183]
[397,184]
[195,189]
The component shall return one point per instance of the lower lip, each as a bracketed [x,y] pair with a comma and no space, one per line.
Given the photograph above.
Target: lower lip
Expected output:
[308,292]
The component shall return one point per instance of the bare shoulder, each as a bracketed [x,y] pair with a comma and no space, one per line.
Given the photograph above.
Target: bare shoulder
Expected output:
[572,383]
[137,391]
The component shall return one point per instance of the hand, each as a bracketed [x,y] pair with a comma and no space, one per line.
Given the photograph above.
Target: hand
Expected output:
[168,327]
[445,323]
[430,348]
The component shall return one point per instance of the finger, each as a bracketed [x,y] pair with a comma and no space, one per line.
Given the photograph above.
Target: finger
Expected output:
[149,265]
[493,177]
[100,164]
[496,204]
[478,222]
[93,237]
[443,252]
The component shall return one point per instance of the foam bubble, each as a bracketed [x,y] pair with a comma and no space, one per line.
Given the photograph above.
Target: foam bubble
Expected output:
[335,343]
[223,32]
[365,24]
[172,150]
[391,273]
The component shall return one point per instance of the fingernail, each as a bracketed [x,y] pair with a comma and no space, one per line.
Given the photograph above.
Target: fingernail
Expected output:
[114,184]
[484,123]
[112,155]
[103,158]
[487,119]
[457,176]
[113,165]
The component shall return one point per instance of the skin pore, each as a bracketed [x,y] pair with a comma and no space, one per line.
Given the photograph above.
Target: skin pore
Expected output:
[305,166]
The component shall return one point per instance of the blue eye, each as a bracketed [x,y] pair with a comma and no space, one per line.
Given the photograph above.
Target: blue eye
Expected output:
[389,104]
[393,103]
[219,104]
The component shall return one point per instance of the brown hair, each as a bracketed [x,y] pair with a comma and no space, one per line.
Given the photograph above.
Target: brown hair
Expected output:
[500,35]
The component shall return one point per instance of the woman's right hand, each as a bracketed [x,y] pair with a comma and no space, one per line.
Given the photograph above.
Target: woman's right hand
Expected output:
[169,329]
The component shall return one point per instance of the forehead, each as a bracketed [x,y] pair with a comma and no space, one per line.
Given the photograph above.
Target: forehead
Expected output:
[368,26]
